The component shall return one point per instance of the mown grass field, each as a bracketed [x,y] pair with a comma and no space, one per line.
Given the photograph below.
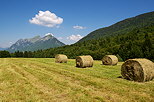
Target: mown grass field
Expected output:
[43,80]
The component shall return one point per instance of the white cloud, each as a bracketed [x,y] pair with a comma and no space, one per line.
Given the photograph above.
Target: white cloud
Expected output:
[75,37]
[49,34]
[79,27]
[6,44]
[46,18]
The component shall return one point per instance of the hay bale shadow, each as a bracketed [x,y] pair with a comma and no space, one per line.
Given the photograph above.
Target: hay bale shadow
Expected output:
[120,77]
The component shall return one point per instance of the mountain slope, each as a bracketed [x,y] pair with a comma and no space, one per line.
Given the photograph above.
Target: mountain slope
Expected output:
[122,27]
[36,43]
[139,43]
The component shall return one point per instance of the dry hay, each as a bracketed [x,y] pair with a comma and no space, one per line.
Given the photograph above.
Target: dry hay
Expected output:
[84,61]
[140,70]
[110,60]
[60,58]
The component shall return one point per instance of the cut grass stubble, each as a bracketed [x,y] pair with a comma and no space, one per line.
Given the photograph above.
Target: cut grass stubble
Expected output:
[48,80]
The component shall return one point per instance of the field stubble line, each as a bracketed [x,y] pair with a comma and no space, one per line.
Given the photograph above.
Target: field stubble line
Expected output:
[82,80]
[73,76]
[45,91]
[85,80]
[71,85]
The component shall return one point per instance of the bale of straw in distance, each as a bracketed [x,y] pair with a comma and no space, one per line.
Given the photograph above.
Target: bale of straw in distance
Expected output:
[60,58]
[84,61]
[110,60]
[140,70]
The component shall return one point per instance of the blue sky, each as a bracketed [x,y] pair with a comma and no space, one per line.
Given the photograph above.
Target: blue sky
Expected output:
[70,19]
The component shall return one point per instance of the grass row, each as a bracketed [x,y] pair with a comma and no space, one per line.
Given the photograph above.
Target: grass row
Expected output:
[41,79]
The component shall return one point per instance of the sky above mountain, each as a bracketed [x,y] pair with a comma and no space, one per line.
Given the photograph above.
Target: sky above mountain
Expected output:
[67,20]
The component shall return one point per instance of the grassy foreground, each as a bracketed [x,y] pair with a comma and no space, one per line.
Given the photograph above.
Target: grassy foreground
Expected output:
[43,80]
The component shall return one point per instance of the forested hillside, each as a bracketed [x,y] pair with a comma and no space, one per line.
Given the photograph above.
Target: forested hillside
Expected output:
[122,27]
[133,38]
[138,43]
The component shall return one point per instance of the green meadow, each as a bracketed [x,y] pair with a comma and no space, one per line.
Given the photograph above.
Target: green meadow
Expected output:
[43,80]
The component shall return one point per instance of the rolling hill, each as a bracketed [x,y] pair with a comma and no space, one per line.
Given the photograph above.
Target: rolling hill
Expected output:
[122,27]
[133,41]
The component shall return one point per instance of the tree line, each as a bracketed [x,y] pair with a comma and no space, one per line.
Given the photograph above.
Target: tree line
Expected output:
[139,43]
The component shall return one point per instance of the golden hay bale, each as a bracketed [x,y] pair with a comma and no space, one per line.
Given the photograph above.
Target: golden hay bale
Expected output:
[140,70]
[60,58]
[84,61]
[110,60]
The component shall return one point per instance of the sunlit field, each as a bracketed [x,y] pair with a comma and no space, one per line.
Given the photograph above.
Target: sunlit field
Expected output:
[43,80]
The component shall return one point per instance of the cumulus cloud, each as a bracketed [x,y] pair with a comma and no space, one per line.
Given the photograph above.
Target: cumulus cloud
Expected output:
[46,18]
[79,27]
[75,37]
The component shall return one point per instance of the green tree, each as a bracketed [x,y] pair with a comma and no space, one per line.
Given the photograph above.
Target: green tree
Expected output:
[4,54]
[147,46]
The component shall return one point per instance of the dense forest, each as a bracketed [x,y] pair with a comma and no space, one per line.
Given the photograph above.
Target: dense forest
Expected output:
[138,43]
[130,38]
[123,26]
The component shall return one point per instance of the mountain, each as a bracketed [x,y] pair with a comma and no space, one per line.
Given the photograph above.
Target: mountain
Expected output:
[137,42]
[122,27]
[36,43]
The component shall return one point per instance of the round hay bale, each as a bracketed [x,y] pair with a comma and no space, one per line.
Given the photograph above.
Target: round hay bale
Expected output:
[110,60]
[84,61]
[60,58]
[140,70]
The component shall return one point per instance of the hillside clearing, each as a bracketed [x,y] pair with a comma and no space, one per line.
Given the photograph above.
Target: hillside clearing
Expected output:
[41,79]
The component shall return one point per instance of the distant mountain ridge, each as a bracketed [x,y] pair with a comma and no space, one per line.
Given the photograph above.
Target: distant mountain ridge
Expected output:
[122,27]
[36,43]
[137,42]
[2,49]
